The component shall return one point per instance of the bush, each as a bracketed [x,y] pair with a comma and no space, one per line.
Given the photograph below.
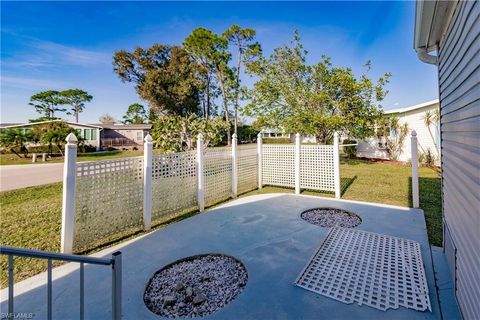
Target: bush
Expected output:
[350,151]
[87,148]
[276,140]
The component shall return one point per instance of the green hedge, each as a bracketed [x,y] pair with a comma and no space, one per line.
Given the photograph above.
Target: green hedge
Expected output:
[276,140]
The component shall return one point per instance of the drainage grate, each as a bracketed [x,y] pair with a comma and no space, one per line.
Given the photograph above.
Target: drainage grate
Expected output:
[368,268]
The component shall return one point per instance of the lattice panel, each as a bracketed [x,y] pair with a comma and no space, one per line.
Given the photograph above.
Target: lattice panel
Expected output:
[380,271]
[316,167]
[278,164]
[218,174]
[109,198]
[174,183]
[247,165]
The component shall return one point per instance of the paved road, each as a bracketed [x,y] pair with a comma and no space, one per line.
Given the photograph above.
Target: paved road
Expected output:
[28,175]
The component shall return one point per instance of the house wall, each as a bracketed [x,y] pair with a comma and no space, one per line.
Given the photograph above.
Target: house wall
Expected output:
[370,148]
[459,78]
[136,135]
[94,138]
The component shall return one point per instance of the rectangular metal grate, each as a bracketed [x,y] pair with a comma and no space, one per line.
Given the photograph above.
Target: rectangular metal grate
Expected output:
[368,268]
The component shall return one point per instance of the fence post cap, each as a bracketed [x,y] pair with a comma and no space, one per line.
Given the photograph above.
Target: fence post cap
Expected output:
[234,136]
[259,135]
[414,133]
[200,136]
[71,138]
[148,138]
[297,134]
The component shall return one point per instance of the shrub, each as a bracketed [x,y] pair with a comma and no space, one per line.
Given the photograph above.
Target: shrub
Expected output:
[87,148]
[276,140]
[430,158]
[350,151]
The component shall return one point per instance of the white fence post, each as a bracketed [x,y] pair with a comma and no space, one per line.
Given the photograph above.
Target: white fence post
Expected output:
[415,193]
[234,166]
[147,181]
[68,198]
[297,163]
[200,173]
[259,155]
[336,165]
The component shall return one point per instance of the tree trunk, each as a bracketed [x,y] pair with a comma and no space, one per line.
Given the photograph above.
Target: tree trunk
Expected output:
[208,97]
[13,151]
[225,108]
[239,62]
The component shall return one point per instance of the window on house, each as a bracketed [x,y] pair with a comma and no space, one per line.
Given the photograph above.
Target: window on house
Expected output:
[139,135]
[94,134]
[88,134]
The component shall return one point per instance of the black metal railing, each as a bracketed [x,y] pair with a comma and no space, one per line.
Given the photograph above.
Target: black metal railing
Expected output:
[115,261]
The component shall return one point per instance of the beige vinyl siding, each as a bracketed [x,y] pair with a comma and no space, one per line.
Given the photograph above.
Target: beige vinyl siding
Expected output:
[459,81]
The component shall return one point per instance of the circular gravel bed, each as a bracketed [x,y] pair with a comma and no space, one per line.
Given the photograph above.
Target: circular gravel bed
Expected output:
[195,286]
[331,217]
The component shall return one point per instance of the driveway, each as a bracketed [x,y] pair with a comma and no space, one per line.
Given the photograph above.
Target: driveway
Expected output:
[28,175]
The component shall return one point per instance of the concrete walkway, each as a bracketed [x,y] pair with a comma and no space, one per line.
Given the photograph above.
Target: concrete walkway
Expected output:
[28,175]
[265,232]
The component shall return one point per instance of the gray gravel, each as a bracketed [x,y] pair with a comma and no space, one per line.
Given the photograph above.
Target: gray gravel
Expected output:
[329,217]
[195,286]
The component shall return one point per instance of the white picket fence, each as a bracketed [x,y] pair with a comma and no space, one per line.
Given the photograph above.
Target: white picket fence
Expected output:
[107,197]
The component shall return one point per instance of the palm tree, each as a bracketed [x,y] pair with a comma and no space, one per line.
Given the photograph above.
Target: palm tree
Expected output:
[15,138]
[431,118]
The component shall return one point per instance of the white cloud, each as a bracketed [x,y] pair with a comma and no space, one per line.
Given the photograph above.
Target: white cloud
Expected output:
[30,83]
[40,54]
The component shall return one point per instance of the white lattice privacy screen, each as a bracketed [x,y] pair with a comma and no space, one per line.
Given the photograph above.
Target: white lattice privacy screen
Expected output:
[278,165]
[218,174]
[247,168]
[317,167]
[174,183]
[108,198]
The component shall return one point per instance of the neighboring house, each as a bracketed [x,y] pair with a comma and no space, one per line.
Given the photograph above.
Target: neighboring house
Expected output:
[90,132]
[414,117]
[100,135]
[276,133]
[124,135]
[452,30]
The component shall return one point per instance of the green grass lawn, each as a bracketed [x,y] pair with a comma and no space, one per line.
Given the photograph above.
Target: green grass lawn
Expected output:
[10,159]
[31,217]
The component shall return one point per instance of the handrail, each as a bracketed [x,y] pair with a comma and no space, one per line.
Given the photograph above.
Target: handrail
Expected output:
[53,255]
[115,262]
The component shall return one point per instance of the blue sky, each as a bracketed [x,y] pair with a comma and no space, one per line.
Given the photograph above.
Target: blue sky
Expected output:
[61,45]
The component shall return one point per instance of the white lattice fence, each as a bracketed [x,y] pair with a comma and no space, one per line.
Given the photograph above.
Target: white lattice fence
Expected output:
[218,174]
[174,183]
[108,199]
[278,165]
[247,168]
[317,167]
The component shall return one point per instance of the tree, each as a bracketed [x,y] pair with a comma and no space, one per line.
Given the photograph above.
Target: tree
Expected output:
[107,119]
[175,134]
[316,99]
[164,76]
[76,98]
[135,114]
[202,45]
[394,134]
[55,133]
[16,138]
[47,102]
[432,118]
[211,52]
[241,40]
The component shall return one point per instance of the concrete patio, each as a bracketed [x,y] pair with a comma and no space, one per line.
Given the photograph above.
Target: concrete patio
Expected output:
[267,234]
